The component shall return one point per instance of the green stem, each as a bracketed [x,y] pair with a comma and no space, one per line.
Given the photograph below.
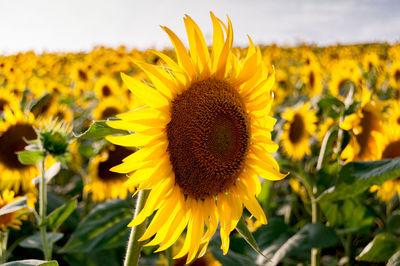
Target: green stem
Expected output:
[168,256]
[315,252]
[42,208]
[348,249]
[134,246]
[3,245]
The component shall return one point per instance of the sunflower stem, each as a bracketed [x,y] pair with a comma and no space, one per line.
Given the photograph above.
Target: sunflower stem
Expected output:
[3,245]
[134,246]
[42,208]
[168,255]
[315,252]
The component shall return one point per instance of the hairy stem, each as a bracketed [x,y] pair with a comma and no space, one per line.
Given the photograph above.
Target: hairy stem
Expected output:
[42,208]
[134,246]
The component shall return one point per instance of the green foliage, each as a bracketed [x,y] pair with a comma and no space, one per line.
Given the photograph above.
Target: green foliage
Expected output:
[59,215]
[310,236]
[105,227]
[356,177]
[31,263]
[380,249]
[99,129]
[31,157]
[35,240]
[242,229]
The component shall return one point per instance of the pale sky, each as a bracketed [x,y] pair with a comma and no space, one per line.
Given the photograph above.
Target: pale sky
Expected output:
[79,25]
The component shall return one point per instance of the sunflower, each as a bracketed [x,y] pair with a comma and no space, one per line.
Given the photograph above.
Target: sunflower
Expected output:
[394,74]
[106,86]
[366,125]
[13,130]
[108,107]
[102,183]
[12,219]
[344,75]
[205,137]
[312,79]
[391,149]
[8,99]
[298,129]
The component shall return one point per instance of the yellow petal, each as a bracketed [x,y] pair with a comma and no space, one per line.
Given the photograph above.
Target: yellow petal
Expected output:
[145,94]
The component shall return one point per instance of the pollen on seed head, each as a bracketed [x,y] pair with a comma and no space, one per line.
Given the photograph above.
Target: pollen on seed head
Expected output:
[208,137]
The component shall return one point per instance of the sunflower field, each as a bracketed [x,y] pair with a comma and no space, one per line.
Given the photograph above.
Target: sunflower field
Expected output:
[201,155]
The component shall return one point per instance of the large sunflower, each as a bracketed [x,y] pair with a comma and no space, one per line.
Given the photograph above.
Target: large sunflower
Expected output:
[16,127]
[205,137]
[298,129]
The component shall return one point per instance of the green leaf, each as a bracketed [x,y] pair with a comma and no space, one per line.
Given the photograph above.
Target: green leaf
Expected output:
[393,222]
[394,260]
[380,249]
[267,234]
[356,177]
[59,215]
[331,105]
[49,174]
[32,263]
[232,258]
[310,236]
[30,157]
[99,129]
[242,229]
[35,240]
[264,195]
[105,227]
[14,206]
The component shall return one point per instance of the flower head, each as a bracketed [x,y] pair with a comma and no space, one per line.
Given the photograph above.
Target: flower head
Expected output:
[204,136]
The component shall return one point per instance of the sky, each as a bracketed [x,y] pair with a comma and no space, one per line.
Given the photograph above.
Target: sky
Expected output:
[79,25]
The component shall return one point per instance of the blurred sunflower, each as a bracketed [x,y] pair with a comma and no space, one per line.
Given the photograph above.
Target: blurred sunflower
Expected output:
[205,137]
[108,107]
[312,79]
[102,183]
[344,75]
[13,130]
[366,125]
[8,99]
[391,149]
[13,219]
[298,129]
[106,86]
[394,75]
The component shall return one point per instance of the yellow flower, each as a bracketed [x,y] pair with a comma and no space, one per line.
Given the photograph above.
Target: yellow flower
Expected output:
[102,183]
[205,137]
[108,107]
[366,125]
[394,74]
[106,86]
[15,127]
[390,150]
[13,219]
[8,100]
[298,129]
[312,79]
[345,74]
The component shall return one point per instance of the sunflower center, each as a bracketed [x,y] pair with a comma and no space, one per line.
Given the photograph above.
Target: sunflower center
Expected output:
[3,103]
[312,79]
[392,150]
[109,112]
[397,75]
[12,141]
[398,120]
[106,90]
[367,126]
[296,129]
[115,156]
[208,138]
